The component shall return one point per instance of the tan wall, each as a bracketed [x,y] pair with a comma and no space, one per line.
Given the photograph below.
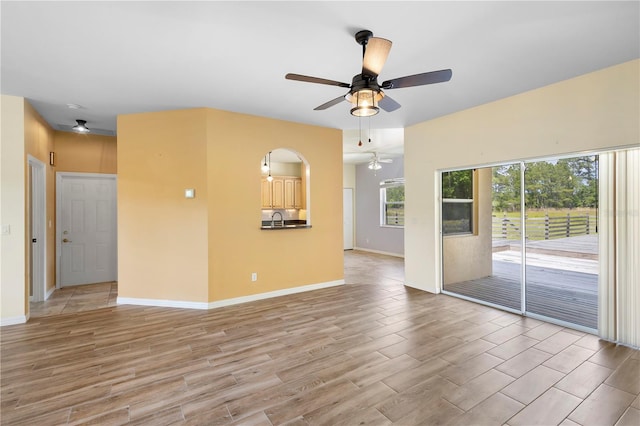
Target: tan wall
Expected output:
[467,257]
[39,141]
[85,153]
[596,111]
[205,249]
[237,246]
[162,236]
[13,303]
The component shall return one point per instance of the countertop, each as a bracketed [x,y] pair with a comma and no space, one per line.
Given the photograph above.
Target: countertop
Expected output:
[277,228]
[288,224]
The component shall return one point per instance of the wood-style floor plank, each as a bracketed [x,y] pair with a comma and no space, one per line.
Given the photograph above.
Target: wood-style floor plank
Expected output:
[369,352]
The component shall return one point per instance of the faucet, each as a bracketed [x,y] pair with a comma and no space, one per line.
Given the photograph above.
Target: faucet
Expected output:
[273,221]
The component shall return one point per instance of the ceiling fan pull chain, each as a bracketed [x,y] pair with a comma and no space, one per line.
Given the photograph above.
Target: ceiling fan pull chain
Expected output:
[369,129]
[359,131]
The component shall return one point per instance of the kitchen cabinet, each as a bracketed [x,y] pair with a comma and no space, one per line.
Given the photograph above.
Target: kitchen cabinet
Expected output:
[277,193]
[272,193]
[266,193]
[292,193]
[283,192]
[299,202]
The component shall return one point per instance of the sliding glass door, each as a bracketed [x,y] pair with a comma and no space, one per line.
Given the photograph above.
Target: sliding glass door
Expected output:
[561,199]
[481,252]
[523,237]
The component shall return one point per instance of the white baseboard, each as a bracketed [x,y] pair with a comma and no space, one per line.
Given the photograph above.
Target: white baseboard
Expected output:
[270,294]
[49,293]
[161,302]
[379,252]
[14,320]
[225,302]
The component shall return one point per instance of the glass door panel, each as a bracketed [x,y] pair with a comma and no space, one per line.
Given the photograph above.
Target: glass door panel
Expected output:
[481,235]
[561,259]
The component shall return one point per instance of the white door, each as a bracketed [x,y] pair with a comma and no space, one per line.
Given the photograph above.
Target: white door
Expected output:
[86,228]
[347,221]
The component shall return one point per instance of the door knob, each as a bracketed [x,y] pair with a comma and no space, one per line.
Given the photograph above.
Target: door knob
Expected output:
[66,241]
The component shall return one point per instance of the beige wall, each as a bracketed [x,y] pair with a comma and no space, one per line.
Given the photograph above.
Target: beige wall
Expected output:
[85,153]
[237,247]
[349,175]
[467,257]
[205,249]
[39,141]
[12,210]
[162,236]
[596,111]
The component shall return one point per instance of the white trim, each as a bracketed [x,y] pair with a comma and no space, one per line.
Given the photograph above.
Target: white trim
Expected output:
[161,302]
[380,252]
[14,320]
[38,203]
[225,302]
[422,288]
[276,293]
[49,293]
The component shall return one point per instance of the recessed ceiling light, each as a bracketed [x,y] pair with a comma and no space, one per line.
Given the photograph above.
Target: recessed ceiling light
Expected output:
[74,106]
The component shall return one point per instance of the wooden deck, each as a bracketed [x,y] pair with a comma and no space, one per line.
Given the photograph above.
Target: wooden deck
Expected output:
[560,287]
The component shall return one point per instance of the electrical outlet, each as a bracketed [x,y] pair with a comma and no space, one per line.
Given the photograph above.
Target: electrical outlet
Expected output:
[254,276]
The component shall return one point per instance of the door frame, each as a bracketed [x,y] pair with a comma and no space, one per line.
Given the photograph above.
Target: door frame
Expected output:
[348,193]
[59,177]
[38,226]
[523,276]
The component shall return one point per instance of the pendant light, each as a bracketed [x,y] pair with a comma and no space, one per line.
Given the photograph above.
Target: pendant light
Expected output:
[269,178]
[265,167]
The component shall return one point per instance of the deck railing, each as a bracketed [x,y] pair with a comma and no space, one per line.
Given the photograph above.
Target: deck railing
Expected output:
[544,228]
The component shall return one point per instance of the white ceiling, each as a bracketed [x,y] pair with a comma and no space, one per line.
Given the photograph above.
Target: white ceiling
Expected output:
[126,57]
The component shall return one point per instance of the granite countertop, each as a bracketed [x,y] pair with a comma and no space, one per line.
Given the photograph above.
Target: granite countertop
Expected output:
[288,224]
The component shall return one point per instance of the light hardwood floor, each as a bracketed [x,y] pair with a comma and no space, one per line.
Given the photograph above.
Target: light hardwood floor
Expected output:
[370,352]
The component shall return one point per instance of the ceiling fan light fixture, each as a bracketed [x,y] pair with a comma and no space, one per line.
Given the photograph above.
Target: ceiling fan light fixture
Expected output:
[374,165]
[81,127]
[365,103]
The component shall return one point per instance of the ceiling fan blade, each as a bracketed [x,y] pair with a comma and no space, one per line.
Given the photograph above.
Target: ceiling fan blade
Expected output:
[308,79]
[385,160]
[331,103]
[375,55]
[388,104]
[418,79]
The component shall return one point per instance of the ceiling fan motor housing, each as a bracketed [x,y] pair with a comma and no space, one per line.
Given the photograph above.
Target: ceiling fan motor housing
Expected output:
[360,82]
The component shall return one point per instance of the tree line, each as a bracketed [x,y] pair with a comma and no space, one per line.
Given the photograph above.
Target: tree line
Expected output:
[567,183]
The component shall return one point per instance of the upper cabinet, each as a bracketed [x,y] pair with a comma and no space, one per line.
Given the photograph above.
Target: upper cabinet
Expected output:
[266,193]
[293,193]
[283,192]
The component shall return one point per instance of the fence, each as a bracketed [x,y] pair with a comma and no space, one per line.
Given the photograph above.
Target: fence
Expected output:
[544,228]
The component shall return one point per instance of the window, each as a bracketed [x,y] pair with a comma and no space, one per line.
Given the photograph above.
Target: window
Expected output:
[392,202]
[457,202]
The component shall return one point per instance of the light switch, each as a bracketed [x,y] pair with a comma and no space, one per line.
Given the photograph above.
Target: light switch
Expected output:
[190,193]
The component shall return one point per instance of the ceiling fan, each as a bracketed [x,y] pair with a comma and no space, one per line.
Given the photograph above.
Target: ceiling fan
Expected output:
[365,93]
[375,163]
